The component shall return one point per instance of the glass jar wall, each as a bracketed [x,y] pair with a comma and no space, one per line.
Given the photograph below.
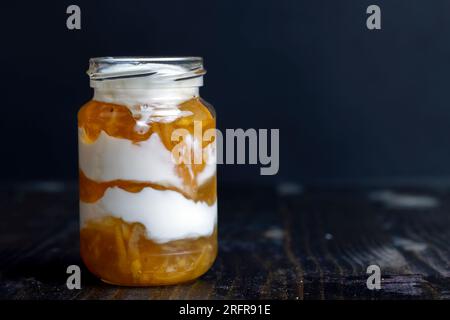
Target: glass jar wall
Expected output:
[148,204]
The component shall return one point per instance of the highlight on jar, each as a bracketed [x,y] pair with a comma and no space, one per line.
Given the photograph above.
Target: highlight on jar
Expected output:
[147,217]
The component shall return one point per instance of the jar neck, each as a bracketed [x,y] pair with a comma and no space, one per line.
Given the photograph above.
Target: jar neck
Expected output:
[152,96]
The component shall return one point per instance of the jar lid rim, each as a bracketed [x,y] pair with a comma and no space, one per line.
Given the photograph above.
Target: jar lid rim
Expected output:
[155,59]
[137,72]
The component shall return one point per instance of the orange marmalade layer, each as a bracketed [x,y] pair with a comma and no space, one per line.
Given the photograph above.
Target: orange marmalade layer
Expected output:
[119,252]
[91,191]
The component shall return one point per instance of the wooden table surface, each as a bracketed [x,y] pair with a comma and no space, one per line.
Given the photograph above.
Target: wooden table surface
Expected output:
[275,243]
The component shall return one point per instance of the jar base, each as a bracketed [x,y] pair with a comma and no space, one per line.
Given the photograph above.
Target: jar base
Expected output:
[120,253]
[148,285]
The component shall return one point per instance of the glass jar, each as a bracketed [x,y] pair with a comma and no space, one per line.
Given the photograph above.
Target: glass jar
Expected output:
[148,205]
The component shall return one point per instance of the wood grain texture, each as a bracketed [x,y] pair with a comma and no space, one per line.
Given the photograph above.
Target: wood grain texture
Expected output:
[273,244]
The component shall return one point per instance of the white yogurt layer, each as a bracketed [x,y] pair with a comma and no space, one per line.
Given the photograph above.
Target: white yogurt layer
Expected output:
[109,158]
[166,215]
[167,97]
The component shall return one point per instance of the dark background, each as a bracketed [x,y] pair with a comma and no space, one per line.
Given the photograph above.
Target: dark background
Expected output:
[353,106]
